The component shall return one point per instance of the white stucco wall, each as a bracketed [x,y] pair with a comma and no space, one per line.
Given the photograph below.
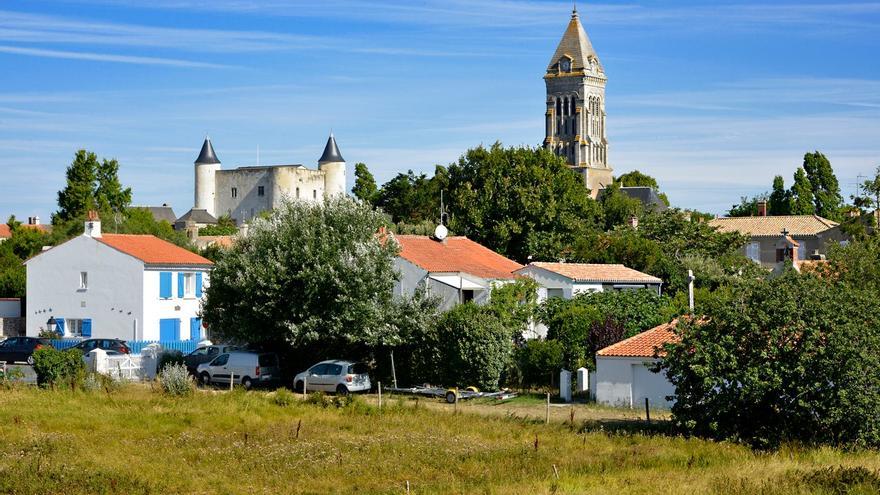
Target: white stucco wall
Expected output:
[412,277]
[156,308]
[113,299]
[625,382]
[551,280]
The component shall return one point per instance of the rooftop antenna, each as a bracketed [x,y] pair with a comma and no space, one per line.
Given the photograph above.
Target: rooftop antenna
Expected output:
[441,231]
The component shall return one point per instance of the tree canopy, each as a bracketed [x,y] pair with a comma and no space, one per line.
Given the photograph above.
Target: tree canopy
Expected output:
[825,188]
[522,202]
[91,185]
[312,273]
[365,187]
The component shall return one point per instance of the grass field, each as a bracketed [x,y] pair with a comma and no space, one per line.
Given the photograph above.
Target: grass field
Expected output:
[139,441]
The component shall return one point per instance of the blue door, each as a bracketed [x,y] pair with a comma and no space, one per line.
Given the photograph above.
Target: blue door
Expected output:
[169,329]
[195,329]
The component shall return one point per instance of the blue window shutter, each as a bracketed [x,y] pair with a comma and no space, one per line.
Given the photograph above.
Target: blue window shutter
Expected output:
[59,326]
[195,329]
[169,330]
[198,285]
[180,285]
[176,329]
[87,327]
[165,285]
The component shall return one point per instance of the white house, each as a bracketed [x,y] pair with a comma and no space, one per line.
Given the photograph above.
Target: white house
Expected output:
[623,370]
[566,280]
[456,269]
[134,287]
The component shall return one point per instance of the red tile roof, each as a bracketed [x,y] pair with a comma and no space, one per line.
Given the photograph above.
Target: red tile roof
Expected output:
[6,232]
[644,344]
[586,272]
[152,250]
[456,254]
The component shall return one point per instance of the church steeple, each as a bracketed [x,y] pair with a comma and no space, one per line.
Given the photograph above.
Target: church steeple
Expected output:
[576,48]
[575,117]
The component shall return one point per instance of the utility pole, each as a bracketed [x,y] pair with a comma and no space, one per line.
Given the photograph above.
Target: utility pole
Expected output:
[691,279]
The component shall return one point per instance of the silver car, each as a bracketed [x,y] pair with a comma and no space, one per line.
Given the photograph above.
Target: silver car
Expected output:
[248,369]
[337,376]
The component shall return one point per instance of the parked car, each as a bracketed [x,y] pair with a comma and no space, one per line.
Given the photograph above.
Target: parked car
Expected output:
[337,376]
[205,354]
[16,349]
[248,369]
[112,346]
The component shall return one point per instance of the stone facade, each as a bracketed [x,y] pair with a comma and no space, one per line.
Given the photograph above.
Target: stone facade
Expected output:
[575,116]
[244,192]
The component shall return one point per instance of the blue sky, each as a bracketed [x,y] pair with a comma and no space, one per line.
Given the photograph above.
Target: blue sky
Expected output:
[712,98]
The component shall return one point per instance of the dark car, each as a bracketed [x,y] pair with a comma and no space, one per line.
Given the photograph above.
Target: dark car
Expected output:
[206,354]
[112,346]
[21,349]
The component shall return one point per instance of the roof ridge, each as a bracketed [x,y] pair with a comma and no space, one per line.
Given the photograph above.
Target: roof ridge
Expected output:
[614,346]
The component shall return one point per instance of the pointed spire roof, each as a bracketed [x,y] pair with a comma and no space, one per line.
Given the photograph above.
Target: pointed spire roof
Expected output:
[576,45]
[331,152]
[207,154]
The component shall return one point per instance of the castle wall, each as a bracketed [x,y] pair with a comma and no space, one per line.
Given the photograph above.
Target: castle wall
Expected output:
[237,193]
[297,183]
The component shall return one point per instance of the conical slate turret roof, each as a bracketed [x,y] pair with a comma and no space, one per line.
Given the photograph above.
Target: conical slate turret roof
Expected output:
[575,44]
[331,152]
[207,154]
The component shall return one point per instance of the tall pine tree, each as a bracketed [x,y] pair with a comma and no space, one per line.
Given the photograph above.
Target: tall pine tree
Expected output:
[364,184]
[826,190]
[780,199]
[802,194]
[78,197]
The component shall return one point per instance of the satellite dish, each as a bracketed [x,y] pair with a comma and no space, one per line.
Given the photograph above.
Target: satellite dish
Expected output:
[440,232]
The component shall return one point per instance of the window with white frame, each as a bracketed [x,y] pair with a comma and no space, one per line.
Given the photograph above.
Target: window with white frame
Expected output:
[73,328]
[189,285]
[83,280]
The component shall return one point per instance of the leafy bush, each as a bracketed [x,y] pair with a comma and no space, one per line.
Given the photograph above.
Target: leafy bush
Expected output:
[470,345]
[59,368]
[283,397]
[793,359]
[169,357]
[538,361]
[176,380]
[94,382]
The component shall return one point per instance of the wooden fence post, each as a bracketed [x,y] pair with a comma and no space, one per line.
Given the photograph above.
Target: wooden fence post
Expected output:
[379,386]
[547,419]
[647,412]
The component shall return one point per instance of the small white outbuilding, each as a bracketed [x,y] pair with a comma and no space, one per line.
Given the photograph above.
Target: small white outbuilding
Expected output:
[623,370]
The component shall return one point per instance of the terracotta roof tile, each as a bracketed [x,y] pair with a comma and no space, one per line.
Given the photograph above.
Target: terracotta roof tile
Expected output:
[643,344]
[456,254]
[588,272]
[5,231]
[771,226]
[152,250]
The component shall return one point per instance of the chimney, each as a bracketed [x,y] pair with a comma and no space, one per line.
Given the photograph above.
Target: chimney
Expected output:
[93,225]
[36,220]
[634,222]
[762,208]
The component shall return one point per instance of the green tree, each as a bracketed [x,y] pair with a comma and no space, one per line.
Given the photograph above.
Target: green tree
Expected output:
[411,198]
[538,361]
[747,207]
[521,202]
[780,198]
[92,185]
[826,190]
[769,365]
[364,184]
[638,179]
[872,188]
[225,226]
[312,274]
[802,194]
[110,196]
[469,345]
[78,196]
[618,207]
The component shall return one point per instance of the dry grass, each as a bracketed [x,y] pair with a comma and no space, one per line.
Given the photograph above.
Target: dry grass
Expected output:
[139,441]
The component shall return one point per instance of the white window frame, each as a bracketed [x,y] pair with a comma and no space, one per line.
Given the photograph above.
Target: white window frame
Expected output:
[189,285]
[72,327]
[83,280]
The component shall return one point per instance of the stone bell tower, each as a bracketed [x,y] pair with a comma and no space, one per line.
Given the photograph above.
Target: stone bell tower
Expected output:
[575,118]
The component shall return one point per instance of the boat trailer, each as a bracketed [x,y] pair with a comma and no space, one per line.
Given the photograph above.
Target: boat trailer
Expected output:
[451,395]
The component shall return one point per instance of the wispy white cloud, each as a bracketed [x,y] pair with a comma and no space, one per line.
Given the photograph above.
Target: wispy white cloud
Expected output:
[107,57]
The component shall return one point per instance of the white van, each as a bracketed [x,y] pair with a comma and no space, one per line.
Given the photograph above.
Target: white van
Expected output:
[248,369]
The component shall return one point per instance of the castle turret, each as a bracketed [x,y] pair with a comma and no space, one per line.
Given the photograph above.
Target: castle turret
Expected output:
[333,165]
[207,166]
